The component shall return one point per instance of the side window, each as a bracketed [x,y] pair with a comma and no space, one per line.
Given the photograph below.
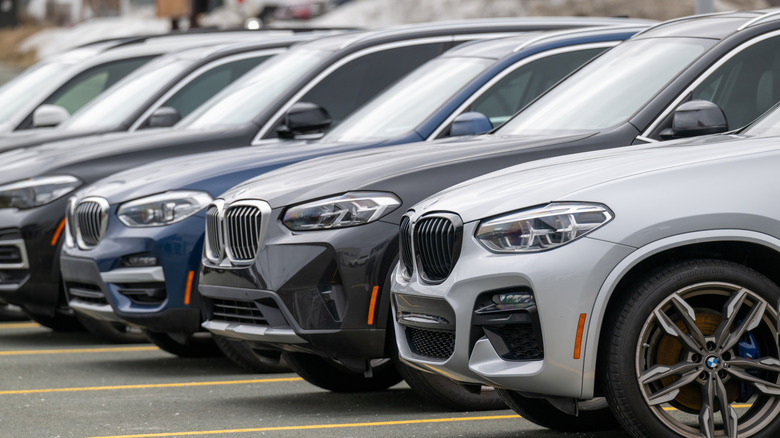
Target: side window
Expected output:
[743,87]
[83,88]
[202,88]
[357,81]
[526,83]
[746,85]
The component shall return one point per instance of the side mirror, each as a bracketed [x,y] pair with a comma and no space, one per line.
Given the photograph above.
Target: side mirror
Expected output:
[48,116]
[163,117]
[470,123]
[697,117]
[304,121]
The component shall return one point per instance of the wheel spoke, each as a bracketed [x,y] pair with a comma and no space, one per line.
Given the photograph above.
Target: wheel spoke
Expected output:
[658,372]
[766,364]
[672,329]
[766,387]
[749,323]
[706,414]
[729,316]
[728,414]
[689,318]
[670,392]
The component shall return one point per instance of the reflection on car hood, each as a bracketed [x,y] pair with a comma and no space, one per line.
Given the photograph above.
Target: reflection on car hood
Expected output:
[578,177]
[213,172]
[370,170]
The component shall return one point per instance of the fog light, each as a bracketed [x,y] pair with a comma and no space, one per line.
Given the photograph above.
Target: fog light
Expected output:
[139,260]
[509,301]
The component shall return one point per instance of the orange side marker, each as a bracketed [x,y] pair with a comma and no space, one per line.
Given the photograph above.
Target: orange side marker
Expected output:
[57,233]
[578,339]
[188,290]
[371,307]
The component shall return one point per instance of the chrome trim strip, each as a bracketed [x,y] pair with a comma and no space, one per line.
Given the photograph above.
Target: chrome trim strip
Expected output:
[102,312]
[19,244]
[488,85]
[134,275]
[252,332]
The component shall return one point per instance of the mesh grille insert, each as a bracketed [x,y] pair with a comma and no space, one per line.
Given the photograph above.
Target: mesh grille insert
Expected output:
[433,344]
[245,312]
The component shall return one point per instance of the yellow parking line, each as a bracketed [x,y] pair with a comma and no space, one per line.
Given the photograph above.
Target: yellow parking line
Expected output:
[19,325]
[77,350]
[157,385]
[320,426]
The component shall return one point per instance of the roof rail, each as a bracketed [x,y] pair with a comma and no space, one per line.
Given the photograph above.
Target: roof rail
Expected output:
[680,19]
[759,19]
[568,32]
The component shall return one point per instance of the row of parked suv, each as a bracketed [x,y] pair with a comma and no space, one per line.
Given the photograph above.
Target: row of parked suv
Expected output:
[451,204]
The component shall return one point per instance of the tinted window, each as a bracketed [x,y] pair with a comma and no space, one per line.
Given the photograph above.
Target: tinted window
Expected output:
[520,87]
[84,87]
[192,95]
[747,84]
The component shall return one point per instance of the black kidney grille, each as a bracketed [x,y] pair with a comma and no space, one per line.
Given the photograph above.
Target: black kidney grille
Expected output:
[435,245]
[213,232]
[434,344]
[242,225]
[406,245]
[245,312]
[89,217]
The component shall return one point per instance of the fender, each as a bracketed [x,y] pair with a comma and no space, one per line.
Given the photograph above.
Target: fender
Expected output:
[593,329]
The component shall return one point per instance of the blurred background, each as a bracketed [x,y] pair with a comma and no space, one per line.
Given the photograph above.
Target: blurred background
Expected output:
[33,29]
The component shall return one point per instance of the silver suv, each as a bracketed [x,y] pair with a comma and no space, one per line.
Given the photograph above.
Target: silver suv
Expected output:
[641,279]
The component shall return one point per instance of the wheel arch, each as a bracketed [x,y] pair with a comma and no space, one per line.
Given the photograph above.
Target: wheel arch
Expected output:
[757,251]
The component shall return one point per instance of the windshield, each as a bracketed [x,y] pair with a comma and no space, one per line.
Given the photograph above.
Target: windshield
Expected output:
[404,106]
[609,90]
[17,92]
[241,102]
[116,105]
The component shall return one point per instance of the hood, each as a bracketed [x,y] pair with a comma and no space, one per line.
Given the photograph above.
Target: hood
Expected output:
[35,137]
[213,172]
[575,177]
[58,156]
[372,169]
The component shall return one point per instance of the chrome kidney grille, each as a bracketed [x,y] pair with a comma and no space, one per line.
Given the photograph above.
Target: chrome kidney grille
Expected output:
[235,232]
[90,219]
[432,243]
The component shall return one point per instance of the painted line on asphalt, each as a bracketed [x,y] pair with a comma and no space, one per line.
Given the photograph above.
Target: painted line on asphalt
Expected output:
[77,350]
[19,325]
[320,426]
[155,385]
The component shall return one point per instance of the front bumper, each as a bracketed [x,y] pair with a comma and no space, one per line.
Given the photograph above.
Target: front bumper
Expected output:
[528,351]
[30,242]
[100,283]
[320,292]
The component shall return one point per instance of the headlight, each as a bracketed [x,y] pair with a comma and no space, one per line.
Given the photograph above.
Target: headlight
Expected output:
[163,209]
[542,228]
[37,191]
[348,210]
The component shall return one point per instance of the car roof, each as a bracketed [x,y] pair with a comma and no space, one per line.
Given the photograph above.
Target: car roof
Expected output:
[716,26]
[525,24]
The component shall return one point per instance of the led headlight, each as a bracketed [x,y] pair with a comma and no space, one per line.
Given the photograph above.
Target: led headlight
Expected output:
[37,191]
[162,209]
[348,210]
[543,228]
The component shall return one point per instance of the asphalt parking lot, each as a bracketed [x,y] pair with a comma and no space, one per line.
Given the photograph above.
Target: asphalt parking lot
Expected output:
[71,385]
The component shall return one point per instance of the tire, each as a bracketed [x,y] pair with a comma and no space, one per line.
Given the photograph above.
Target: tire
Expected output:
[444,392]
[256,361]
[58,322]
[185,344]
[542,412]
[331,375]
[676,352]
[114,332]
